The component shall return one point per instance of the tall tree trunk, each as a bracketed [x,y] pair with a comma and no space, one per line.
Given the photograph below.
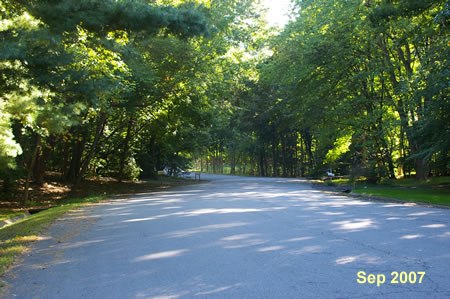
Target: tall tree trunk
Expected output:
[421,164]
[76,156]
[274,154]
[34,156]
[125,149]
[422,169]
[221,162]
[233,162]
[214,160]
[266,165]
[283,155]
[252,165]
[41,161]
[101,122]
[65,163]
[296,154]
[302,156]
[308,145]
[75,162]
[261,163]
[391,166]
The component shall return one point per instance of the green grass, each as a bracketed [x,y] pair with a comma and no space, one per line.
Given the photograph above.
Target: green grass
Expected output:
[6,214]
[432,191]
[15,238]
[438,196]
[410,182]
[345,181]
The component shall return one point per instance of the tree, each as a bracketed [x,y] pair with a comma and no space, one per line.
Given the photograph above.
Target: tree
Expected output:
[70,73]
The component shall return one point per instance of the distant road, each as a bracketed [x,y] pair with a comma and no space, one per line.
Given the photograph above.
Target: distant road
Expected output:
[239,237]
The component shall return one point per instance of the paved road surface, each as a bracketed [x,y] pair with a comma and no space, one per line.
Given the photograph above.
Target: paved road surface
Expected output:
[238,238]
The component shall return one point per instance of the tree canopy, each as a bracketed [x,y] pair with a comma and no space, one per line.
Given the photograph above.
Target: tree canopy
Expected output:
[125,88]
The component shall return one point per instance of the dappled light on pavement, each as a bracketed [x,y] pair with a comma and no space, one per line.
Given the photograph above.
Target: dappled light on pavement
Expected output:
[160,255]
[239,237]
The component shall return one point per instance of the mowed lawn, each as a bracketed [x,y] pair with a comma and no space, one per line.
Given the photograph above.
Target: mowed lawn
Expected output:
[438,196]
[435,190]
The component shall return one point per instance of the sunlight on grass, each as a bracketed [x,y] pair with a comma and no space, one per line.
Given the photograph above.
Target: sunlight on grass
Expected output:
[435,190]
[10,249]
[15,238]
[8,214]
[432,196]
[409,182]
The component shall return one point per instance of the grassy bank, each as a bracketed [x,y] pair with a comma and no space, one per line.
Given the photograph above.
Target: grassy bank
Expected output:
[54,193]
[6,214]
[15,238]
[435,190]
[430,196]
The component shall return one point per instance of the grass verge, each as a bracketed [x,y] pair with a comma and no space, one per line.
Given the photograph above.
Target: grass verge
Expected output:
[429,195]
[6,214]
[408,182]
[15,238]
[435,190]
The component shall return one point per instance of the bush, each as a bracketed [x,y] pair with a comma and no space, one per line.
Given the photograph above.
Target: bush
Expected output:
[132,170]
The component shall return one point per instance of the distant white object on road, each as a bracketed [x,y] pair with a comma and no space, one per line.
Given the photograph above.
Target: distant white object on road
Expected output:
[169,171]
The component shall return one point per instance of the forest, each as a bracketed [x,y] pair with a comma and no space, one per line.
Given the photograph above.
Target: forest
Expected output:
[125,88]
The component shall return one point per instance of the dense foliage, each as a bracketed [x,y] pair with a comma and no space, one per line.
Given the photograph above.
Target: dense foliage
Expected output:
[125,88]
[358,87]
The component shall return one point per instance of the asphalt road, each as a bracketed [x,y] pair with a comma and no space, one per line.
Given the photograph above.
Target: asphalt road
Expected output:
[238,237]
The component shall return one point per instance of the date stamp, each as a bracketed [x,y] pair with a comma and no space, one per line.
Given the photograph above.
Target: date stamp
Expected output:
[396,278]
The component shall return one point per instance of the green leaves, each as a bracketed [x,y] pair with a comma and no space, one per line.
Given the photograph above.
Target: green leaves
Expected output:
[106,16]
[352,66]
[9,148]
[68,67]
[349,83]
